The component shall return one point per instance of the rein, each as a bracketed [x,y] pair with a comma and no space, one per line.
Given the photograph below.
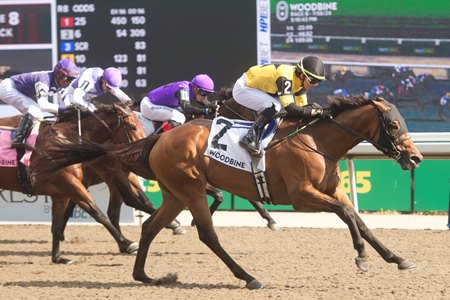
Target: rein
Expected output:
[111,132]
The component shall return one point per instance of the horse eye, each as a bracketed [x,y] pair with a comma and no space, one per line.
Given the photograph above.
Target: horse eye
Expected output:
[393,128]
[132,127]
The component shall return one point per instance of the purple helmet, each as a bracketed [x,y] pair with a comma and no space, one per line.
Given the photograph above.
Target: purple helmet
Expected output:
[67,67]
[113,78]
[203,82]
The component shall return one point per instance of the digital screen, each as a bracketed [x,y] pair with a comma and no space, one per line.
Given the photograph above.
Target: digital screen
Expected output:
[25,24]
[399,50]
[106,34]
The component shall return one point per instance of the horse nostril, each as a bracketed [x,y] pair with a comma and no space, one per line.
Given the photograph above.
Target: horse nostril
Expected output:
[416,159]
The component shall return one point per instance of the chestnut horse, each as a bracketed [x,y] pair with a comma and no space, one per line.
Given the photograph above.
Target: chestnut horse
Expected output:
[301,166]
[116,124]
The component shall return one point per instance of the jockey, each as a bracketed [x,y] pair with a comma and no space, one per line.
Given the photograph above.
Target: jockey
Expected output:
[94,82]
[377,90]
[172,101]
[30,92]
[268,88]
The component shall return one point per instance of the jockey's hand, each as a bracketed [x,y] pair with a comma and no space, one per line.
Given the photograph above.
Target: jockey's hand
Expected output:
[213,107]
[324,114]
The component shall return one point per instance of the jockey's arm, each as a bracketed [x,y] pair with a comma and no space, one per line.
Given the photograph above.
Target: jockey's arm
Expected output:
[122,96]
[183,99]
[77,95]
[42,98]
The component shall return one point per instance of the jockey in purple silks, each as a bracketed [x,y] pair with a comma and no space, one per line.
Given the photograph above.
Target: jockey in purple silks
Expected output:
[94,82]
[172,101]
[30,92]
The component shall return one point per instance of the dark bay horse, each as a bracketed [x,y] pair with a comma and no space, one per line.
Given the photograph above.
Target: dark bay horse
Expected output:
[113,124]
[301,165]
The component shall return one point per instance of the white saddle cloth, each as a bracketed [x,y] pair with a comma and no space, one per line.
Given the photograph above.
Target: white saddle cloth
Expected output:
[223,143]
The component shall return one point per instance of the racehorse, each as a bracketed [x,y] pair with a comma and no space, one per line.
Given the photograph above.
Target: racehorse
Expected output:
[115,123]
[301,166]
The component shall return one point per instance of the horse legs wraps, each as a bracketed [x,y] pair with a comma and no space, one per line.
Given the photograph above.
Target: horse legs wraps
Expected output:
[23,131]
[251,141]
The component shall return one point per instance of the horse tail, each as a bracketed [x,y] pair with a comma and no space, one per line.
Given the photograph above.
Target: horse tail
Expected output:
[62,153]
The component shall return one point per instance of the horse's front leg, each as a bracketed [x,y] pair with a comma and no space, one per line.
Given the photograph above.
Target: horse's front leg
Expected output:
[384,252]
[311,199]
[78,194]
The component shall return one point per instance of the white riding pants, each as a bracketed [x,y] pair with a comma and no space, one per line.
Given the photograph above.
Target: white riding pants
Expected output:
[10,95]
[253,98]
[160,113]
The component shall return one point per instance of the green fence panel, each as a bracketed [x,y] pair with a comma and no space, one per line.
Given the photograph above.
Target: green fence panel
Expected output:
[381,185]
[432,185]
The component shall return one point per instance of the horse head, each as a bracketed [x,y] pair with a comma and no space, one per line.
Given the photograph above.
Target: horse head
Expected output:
[394,138]
[114,122]
[380,123]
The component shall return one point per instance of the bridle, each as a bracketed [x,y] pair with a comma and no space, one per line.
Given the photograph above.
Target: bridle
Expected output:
[388,143]
[121,122]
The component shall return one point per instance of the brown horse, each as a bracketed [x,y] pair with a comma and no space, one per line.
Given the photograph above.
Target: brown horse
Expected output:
[116,124]
[301,165]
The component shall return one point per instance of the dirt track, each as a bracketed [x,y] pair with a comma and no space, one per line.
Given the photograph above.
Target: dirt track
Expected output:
[295,263]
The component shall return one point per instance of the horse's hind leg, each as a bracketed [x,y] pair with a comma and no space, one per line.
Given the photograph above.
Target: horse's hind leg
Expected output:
[265,215]
[198,206]
[143,203]
[218,199]
[169,209]
[59,205]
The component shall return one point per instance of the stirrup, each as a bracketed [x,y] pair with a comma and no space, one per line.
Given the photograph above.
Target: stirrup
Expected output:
[252,150]
[26,146]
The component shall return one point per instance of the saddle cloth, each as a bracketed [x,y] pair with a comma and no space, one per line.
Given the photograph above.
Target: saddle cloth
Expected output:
[8,155]
[223,143]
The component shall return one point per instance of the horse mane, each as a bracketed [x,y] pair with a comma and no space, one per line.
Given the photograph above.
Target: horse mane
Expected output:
[72,114]
[225,93]
[339,104]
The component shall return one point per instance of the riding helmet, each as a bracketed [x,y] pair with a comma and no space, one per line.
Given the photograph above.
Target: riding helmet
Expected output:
[203,82]
[113,78]
[313,67]
[67,68]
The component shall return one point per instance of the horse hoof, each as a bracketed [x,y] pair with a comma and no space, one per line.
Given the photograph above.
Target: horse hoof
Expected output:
[132,248]
[142,278]
[362,264]
[406,265]
[63,261]
[254,285]
[179,231]
[274,226]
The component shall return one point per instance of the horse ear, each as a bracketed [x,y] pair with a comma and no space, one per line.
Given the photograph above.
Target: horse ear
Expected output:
[381,104]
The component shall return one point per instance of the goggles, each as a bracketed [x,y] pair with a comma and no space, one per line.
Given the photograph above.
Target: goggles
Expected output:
[203,93]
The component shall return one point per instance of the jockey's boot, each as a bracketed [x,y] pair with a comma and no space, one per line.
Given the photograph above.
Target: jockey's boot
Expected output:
[22,132]
[251,141]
